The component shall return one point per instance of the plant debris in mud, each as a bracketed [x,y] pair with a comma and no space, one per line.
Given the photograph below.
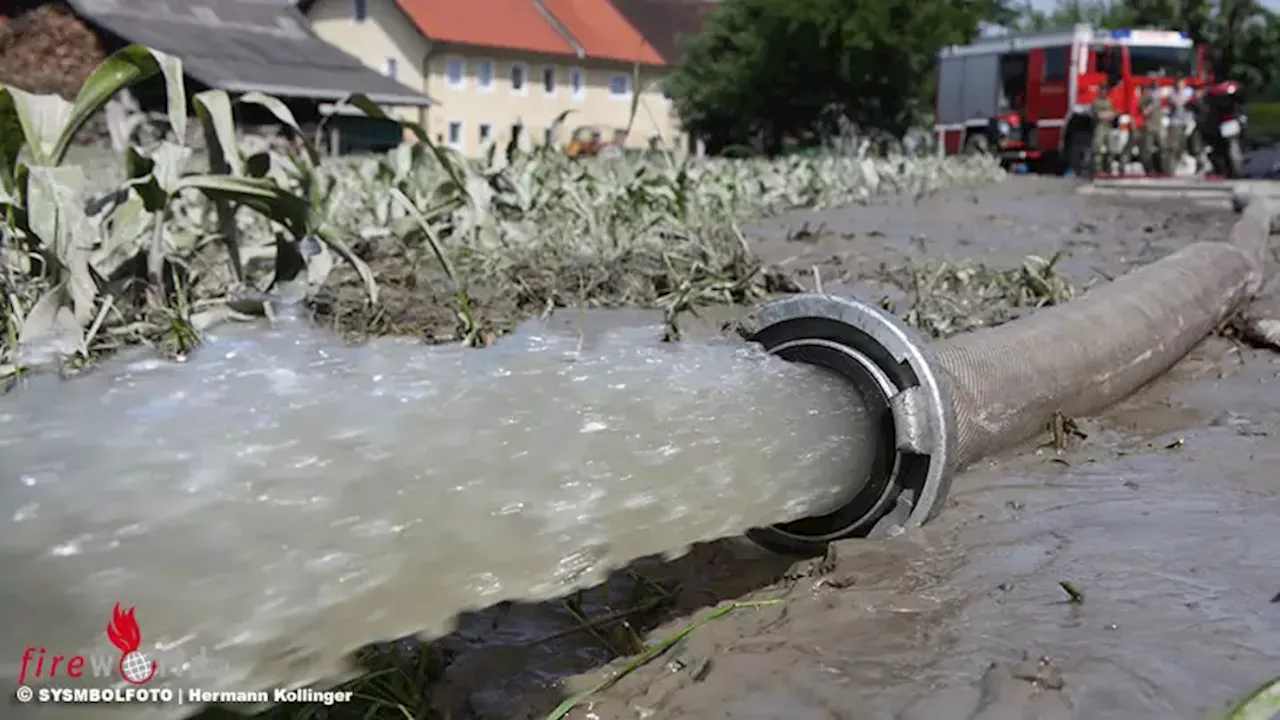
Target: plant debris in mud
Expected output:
[420,241]
[649,655]
[1075,595]
[947,298]
[1063,431]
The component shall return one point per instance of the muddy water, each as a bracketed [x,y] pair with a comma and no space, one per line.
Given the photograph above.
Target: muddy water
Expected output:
[280,499]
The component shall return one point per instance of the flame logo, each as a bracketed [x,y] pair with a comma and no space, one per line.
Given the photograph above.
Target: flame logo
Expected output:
[123,632]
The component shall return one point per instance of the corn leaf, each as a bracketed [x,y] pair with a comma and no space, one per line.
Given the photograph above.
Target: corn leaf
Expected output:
[285,116]
[175,90]
[361,268]
[213,107]
[43,119]
[169,161]
[371,109]
[49,330]
[264,196]
[124,68]
[11,136]
[429,232]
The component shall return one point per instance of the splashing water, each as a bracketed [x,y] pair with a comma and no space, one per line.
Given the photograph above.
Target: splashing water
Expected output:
[282,498]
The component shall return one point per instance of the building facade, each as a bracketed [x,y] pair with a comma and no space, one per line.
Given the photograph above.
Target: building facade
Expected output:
[501,67]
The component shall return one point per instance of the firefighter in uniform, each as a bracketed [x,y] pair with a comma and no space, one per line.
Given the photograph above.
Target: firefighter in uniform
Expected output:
[1181,118]
[1196,146]
[1104,114]
[1150,145]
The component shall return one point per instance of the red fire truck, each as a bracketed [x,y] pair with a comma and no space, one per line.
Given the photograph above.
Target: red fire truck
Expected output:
[1028,96]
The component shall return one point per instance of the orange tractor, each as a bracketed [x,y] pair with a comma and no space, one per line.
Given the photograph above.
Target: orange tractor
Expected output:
[588,141]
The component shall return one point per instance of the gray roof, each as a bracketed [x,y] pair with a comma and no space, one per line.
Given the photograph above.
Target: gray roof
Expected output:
[246,45]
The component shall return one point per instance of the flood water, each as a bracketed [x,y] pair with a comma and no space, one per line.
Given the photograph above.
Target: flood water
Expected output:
[280,498]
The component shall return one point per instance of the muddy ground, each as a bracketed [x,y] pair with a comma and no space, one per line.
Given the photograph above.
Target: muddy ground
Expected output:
[1132,575]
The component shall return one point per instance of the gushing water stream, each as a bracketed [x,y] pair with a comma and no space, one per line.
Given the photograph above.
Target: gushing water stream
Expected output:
[281,498]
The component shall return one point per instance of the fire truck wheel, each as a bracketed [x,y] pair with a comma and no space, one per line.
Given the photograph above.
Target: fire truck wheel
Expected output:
[977,144]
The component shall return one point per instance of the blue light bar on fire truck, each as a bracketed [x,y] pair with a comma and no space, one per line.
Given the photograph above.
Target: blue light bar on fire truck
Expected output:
[1164,38]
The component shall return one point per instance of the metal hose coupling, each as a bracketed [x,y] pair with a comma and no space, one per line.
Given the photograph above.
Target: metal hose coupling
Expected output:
[894,371]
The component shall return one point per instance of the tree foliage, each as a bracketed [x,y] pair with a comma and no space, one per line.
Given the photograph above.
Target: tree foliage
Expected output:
[765,70]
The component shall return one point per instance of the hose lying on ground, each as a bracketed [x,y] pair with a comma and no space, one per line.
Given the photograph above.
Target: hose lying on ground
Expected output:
[1083,356]
[976,393]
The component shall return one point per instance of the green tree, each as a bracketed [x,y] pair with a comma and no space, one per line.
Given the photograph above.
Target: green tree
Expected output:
[765,70]
[1066,13]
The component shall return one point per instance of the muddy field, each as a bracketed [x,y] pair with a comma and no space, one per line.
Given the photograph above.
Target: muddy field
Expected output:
[1131,575]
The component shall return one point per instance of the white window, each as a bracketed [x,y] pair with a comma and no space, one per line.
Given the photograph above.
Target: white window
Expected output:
[359,10]
[484,74]
[391,68]
[549,80]
[455,71]
[578,83]
[620,86]
[455,134]
[519,78]
[486,132]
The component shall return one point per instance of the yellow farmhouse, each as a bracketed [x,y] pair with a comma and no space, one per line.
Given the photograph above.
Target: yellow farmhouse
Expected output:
[497,65]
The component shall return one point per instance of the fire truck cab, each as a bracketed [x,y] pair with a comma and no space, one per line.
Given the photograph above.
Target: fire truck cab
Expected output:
[1028,96]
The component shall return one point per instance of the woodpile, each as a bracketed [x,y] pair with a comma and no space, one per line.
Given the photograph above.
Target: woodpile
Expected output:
[45,48]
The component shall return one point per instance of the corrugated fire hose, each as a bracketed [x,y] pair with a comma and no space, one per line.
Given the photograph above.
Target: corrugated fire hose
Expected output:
[936,409]
[950,404]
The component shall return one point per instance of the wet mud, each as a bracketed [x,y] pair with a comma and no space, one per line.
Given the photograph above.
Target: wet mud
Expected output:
[1130,574]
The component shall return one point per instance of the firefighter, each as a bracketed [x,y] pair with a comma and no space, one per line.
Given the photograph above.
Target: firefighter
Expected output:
[1181,115]
[1199,112]
[1151,144]
[1104,114]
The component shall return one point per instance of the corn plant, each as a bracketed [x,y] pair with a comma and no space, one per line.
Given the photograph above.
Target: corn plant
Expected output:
[90,264]
[84,261]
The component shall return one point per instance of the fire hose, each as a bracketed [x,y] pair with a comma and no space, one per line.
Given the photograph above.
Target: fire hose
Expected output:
[947,405]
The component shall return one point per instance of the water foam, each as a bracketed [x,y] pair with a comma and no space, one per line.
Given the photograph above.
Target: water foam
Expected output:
[283,495]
